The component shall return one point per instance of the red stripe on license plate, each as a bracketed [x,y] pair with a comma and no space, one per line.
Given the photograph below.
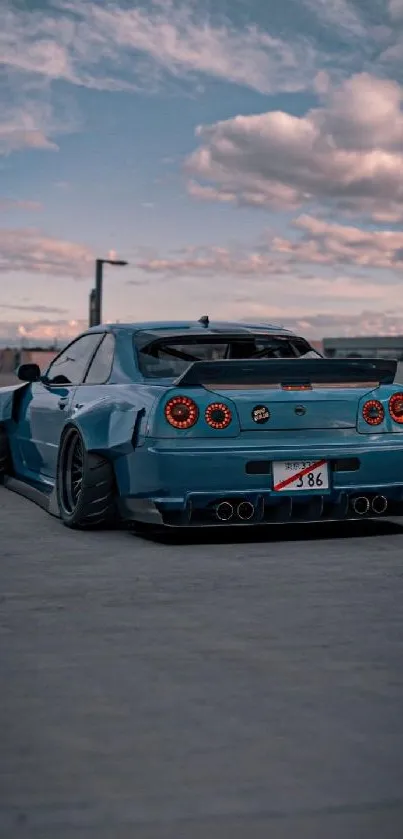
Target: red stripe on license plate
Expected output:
[299,474]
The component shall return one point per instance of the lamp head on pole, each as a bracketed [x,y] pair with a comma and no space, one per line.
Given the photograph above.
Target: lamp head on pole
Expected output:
[111,259]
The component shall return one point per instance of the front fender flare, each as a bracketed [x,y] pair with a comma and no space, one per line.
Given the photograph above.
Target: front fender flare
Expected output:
[9,397]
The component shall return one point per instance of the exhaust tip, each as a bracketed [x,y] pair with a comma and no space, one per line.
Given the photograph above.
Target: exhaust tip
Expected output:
[361,505]
[224,511]
[379,504]
[245,510]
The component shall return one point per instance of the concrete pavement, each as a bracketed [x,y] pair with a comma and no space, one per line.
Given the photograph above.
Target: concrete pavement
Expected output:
[240,689]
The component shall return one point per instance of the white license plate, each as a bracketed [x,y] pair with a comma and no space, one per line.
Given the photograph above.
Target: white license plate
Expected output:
[301,475]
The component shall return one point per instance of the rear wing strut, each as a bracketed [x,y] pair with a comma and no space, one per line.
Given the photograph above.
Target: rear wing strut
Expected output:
[286,373]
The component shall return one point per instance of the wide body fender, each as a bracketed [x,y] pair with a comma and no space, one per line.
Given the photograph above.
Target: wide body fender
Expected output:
[113,427]
[9,397]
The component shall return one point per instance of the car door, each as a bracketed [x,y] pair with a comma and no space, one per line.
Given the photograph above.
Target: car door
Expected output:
[95,384]
[49,403]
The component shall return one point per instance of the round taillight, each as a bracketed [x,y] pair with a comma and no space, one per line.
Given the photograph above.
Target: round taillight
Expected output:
[396,407]
[181,412]
[373,412]
[218,415]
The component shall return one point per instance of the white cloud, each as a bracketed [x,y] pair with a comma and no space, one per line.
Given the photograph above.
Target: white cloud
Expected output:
[348,152]
[30,117]
[32,251]
[339,14]
[26,126]
[395,8]
[110,47]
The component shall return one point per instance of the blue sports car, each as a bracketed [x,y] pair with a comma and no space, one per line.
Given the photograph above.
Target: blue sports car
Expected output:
[199,424]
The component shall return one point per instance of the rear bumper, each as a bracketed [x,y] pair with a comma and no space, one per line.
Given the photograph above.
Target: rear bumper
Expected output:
[182,486]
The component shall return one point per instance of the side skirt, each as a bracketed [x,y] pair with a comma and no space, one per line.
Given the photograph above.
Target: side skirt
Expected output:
[46,500]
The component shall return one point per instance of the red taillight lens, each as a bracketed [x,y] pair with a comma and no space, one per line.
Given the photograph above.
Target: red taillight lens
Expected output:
[373,412]
[181,412]
[296,387]
[218,415]
[396,407]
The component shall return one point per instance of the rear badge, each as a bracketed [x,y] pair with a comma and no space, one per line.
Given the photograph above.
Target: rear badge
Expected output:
[300,410]
[260,414]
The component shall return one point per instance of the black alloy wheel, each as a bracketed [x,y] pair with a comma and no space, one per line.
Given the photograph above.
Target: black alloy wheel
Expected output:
[85,484]
[73,473]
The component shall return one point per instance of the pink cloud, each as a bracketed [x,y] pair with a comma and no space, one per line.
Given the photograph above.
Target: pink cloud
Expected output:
[41,330]
[28,126]
[349,152]
[7,204]
[333,324]
[322,243]
[211,261]
[313,325]
[331,244]
[395,8]
[32,251]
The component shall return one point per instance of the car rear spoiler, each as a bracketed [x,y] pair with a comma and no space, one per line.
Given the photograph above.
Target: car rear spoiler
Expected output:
[291,373]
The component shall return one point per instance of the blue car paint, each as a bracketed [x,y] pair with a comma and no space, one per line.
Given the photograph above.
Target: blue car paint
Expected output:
[173,469]
[7,399]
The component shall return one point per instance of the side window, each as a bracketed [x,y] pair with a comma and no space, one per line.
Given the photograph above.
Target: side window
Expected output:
[101,364]
[304,349]
[69,367]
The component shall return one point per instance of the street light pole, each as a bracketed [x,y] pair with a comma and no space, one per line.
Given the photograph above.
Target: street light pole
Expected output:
[96,294]
[92,312]
[99,269]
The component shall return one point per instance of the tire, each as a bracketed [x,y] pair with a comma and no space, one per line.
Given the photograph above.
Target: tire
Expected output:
[5,456]
[85,485]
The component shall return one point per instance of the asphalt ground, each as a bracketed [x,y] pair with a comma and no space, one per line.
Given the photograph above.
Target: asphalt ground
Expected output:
[216,688]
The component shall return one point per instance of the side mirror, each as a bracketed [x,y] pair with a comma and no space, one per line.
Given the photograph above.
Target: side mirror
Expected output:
[29,372]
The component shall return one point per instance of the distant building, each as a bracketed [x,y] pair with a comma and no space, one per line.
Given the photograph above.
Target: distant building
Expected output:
[317,345]
[378,346]
[11,358]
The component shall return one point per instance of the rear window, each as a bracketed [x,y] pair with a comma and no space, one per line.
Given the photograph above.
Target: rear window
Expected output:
[169,358]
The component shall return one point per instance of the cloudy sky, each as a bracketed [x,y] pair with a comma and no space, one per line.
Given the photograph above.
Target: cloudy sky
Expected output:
[245,157]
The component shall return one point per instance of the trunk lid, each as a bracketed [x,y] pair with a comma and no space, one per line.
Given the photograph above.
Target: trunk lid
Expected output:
[265,409]
[300,394]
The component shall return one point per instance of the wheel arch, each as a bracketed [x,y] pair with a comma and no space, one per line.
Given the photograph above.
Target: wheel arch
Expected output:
[86,438]
[108,427]
[94,503]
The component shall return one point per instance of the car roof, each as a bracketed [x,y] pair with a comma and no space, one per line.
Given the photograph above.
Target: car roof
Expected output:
[167,328]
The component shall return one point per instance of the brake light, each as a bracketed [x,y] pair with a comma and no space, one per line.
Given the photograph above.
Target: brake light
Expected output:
[296,387]
[181,412]
[218,415]
[373,412]
[396,407]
